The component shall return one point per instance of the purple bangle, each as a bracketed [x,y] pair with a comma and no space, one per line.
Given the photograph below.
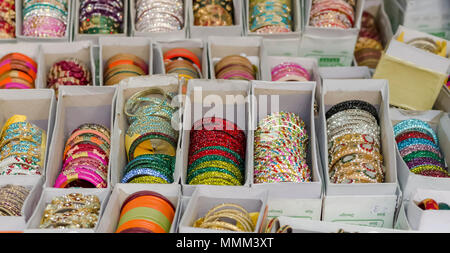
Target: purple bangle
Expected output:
[423,161]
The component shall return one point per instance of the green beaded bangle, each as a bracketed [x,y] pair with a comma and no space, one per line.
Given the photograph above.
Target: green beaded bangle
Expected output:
[207,169]
[422,153]
[236,155]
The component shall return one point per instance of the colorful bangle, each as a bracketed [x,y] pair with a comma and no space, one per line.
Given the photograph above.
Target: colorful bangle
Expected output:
[159,16]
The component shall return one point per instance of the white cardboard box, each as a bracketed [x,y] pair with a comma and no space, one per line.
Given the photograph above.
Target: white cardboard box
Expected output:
[110,218]
[227,99]
[52,53]
[203,32]
[435,221]
[409,181]
[282,47]
[174,35]
[39,105]
[219,47]
[443,100]
[76,106]
[95,37]
[34,184]
[345,73]
[126,89]
[47,196]
[296,15]
[31,50]
[207,197]
[19,24]
[331,46]
[110,46]
[289,199]
[196,46]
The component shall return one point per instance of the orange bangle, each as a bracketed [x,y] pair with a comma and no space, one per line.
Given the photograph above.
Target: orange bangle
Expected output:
[17,74]
[184,53]
[21,57]
[152,202]
[155,228]
[124,62]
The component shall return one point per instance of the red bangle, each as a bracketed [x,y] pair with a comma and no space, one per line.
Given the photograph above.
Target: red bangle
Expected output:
[184,53]
[413,134]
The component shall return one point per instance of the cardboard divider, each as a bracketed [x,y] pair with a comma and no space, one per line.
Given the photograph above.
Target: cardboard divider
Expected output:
[34,184]
[39,105]
[207,197]
[203,32]
[345,73]
[434,221]
[443,100]
[76,106]
[219,47]
[159,36]
[46,198]
[95,37]
[110,218]
[31,50]
[376,93]
[126,89]
[110,46]
[231,102]
[282,47]
[296,15]
[408,180]
[330,46]
[19,24]
[55,52]
[196,46]
[290,199]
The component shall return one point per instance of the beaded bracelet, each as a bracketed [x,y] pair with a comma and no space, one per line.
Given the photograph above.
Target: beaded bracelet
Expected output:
[159,16]
[45,19]
[101,17]
[270,17]
[332,14]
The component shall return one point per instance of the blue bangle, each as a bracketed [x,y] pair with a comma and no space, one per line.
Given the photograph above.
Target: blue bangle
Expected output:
[415,124]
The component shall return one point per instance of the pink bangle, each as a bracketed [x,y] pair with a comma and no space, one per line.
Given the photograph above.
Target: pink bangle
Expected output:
[67,177]
[16,86]
[291,70]
[83,154]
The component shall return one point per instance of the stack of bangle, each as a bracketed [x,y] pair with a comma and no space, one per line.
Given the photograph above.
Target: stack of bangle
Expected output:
[45,18]
[290,71]
[332,13]
[122,66]
[230,217]
[70,71]
[213,12]
[7,19]
[86,158]
[22,147]
[159,16]
[183,62]
[216,153]
[151,141]
[270,16]
[17,71]
[368,47]
[101,16]
[281,143]
[426,44]
[354,143]
[12,198]
[71,211]
[419,147]
[235,67]
[146,212]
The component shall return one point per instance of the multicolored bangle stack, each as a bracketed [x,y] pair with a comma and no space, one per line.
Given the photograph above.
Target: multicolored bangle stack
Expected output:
[101,16]
[213,12]
[368,47]
[431,204]
[151,141]
[270,16]
[235,67]
[159,16]
[12,198]
[86,158]
[22,147]
[281,143]
[419,147]
[146,212]
[122,66]
[71,211]
[230,217]
[17,71]
[182,62]
[290,72]
[216,153]
[45,18]
[354,143]
[70,71]
[7,19]
[332,14]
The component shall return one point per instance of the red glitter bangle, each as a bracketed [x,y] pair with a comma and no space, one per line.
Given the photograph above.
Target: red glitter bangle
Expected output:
[413,134]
